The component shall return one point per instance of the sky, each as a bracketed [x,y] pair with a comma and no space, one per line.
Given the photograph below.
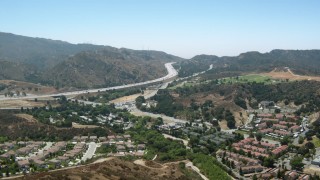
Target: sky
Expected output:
[180,27]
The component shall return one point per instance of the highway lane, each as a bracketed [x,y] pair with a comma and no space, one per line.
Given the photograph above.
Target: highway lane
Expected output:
[170,69]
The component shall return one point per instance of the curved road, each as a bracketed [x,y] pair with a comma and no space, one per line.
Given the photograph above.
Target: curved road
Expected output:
[170,69]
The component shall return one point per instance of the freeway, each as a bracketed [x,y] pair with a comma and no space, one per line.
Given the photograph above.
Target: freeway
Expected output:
[170,69]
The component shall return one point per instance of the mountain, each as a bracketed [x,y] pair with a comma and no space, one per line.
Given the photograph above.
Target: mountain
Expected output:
[40,52]
[63,64]
[304,62]
[17,71]
[108,68]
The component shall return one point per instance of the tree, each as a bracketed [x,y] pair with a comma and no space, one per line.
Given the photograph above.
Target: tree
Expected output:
[296,163]
[268,162]
[300,141]
[240,172]
[258,136]
[254,177]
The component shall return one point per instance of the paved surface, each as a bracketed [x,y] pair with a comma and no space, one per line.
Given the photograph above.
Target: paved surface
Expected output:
[170,69]
[166,119]
[90,152]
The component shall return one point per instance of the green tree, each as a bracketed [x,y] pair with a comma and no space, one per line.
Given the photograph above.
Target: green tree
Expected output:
[296,163]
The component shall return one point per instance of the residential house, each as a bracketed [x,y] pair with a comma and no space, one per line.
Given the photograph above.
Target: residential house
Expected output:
[279,150]
[291,175]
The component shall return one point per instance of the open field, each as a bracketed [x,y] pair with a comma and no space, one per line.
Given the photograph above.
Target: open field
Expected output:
[288,74]
[248,78]
[80,126]
[21,103]
[27,117]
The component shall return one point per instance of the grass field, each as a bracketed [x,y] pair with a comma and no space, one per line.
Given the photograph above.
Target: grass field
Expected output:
[316,141]
[248,78]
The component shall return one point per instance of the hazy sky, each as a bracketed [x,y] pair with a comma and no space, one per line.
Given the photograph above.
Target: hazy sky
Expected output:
[180,27]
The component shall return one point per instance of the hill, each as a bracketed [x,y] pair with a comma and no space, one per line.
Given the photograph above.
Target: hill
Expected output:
[305,62]
[108,68]
[115,168]
[40,52]
[62,64]
[18,71]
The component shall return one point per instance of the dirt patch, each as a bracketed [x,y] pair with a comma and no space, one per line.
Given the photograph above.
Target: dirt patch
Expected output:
[17,103]
[313,117]
[288,74]
[223,125]
[311,169]
[28,88]
[153,164]
[126,98]
[80,126]
[27,117]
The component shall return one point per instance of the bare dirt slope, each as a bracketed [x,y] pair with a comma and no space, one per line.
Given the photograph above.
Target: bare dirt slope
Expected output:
[288,74]
[114,170]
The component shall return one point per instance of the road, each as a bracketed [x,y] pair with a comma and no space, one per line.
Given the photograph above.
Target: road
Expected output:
[166,119]
[170,69]
[90,152]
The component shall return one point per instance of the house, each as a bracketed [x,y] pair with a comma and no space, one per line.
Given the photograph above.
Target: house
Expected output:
[24,151]
[279,150]
[266,104]
[121,148]
[63,159]
[8,155]
[119,138]
[264,115]
[269,120]
[84,138]
[39,163]
[316,161]
[76,139]
[55,162]
[127,136]
[304,177]
[266,131]
[130,147]
[93,138]
[279,126]
[295,128]
[24,164]
[291,175]
[267,145]
[141,147]
[102,139]
[282,133]
[252,169]
[262,125]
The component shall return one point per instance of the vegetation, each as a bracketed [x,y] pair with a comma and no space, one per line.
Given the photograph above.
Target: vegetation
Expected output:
[104,97]
[209,166]
[296,163]
[157,144]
